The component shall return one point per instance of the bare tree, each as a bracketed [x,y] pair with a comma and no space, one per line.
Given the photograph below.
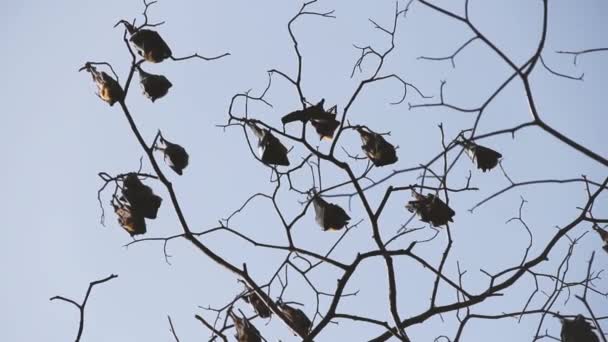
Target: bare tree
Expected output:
[323,173]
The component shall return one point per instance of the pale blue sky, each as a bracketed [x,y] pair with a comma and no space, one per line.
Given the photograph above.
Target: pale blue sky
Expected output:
[59,136]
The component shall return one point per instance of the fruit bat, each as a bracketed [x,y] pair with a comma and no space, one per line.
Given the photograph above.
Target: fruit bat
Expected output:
[603,235]
[175,155]
[108,88]
[257,303]
[577,330]
[328,215]
[378,150]
[149,44]
[297,320]
[430,209]
[154,86]
[129,219]
[485,158]
[245,331]
[270,149]
[140,196]
[323,121]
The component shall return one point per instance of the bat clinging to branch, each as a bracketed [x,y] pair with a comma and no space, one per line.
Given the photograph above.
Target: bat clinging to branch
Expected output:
[431,209]
[270,149]
[148,43]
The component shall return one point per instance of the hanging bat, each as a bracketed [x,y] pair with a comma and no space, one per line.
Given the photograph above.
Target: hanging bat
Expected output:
[327,124]
[140,196]
[306,114]
[485,158]
[323,121]
[577,330]
[603,235]
[328,215]
[154,86]
[175,155]
[270,149]
[148,43]
[130,220]
[296,318]
[108,89]
[430,209]
[377,149]
[257,303]
[245,331]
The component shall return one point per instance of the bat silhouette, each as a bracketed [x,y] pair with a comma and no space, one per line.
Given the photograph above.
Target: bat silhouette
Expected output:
[323,121]
[577,330]
[296,318]
[257,303]
[245,331]
[148,43]
[485,158]
[175,155]
[328,215]
[377,149]
[603,235]
[430,209]
[154,86]
[140,197]
[270,149]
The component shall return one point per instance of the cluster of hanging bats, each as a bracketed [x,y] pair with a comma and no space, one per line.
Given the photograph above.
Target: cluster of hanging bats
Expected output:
[138,202]
[573,330]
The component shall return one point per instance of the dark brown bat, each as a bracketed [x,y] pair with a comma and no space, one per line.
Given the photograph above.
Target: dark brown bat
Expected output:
[296,318]
[257,303]
[430,209]
[154,86]
[148,43]
[577,330]
[140,196]
[377,149]
[603,235]
[175,155]
[245,331]
[328,215]
[323,121]
[270,149]
[306,114]
[129,219]
[485,158]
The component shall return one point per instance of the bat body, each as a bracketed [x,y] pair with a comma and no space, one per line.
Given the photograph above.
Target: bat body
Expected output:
[485,158]
[297,319]
[258,305]
[154,86]
[431,209]
[323,121]
[129,219]
[328,215]
[175,156]
[577,330]
[108,89]
[270,149]
[140,196]
[245,331]
[148,43]
[377,149]
[603,235]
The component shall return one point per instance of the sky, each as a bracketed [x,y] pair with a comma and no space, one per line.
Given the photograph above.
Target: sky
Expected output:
[59,136]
